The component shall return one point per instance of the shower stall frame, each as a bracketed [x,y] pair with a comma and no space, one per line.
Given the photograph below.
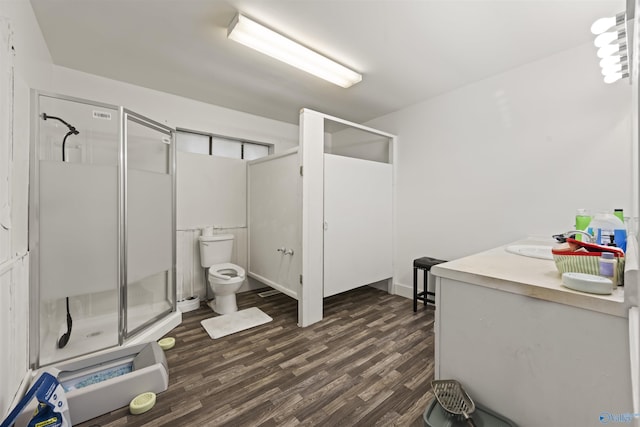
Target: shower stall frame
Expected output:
[125,337]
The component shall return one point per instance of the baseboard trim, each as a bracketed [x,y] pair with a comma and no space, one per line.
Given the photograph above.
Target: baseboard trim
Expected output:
[403,290]
[398,288]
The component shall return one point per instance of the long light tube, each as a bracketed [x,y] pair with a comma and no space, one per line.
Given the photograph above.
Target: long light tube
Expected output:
[251,34]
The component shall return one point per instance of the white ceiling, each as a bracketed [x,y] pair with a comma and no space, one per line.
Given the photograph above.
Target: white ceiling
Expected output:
[407,50]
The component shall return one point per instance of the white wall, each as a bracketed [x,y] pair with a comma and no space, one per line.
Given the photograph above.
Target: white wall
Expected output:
[175,111]
[352,142]
[224,191]
[211,192]
[32,67]
[510,156]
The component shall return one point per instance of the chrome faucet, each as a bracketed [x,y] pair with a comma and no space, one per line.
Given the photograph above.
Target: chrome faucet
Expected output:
[285,251]
[563,237]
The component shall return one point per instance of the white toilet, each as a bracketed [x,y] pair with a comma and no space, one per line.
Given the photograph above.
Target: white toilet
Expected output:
[224,278]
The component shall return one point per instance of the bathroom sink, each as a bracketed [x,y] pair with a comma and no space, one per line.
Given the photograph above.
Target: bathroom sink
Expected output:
[532,251]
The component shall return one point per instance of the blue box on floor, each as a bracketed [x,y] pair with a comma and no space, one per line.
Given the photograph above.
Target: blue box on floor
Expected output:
[436,416]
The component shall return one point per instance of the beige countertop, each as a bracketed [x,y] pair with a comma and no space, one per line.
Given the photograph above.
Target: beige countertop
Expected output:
[536,278]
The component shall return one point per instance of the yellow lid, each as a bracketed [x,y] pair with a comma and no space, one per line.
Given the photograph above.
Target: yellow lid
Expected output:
[167,343]
[142,403]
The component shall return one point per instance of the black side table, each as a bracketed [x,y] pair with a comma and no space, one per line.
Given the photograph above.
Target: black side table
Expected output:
[424,264]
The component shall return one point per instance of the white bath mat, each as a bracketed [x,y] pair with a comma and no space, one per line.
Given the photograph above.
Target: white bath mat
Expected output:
[227,324]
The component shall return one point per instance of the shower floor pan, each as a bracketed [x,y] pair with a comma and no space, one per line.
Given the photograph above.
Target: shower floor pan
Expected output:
[99,384]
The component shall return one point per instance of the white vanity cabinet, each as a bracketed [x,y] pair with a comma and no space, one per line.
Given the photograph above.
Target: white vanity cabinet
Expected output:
[529,348]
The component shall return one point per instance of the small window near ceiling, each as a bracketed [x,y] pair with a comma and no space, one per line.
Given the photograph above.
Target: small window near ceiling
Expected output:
[226,148]
[214,145]
[192,142]
[254,151]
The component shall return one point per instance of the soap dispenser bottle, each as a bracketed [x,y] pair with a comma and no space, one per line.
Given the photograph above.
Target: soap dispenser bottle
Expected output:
[608,267]
[619,213]
[582,221]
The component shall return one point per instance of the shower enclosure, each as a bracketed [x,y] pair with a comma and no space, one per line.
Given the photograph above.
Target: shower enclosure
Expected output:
[101,228]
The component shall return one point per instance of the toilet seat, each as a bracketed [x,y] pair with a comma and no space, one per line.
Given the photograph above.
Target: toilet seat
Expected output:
[226,272]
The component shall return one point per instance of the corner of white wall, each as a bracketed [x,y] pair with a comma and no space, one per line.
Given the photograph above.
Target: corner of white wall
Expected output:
[503,158]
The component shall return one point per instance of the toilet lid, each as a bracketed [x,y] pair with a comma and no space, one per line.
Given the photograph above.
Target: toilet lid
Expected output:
[226,271]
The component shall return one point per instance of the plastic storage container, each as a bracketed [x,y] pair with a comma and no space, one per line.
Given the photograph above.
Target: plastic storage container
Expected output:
[435,416]
[586,259]
[604,226]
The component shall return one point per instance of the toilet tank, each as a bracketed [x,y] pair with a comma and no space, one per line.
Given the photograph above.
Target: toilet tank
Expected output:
[215,249]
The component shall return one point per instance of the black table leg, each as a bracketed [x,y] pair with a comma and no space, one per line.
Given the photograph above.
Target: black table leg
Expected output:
[415,289]
[426,280]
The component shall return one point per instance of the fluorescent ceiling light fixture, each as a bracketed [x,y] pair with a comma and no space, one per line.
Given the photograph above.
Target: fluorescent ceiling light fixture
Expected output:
[250,33]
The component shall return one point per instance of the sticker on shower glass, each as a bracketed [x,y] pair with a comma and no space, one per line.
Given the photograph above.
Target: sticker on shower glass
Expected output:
[103,115]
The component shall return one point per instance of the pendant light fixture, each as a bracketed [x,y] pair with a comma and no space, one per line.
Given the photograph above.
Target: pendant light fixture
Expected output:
[611,42]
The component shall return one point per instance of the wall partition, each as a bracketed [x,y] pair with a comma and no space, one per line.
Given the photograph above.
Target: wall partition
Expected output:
[320,216]
[347,209]
[274,206]
[101,226]
[358,203]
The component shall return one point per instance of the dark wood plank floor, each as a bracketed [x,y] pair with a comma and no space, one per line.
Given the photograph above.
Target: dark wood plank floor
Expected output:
[368,363]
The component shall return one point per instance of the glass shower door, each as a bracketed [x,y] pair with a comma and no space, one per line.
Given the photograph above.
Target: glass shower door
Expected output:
[149,230]
[73,228]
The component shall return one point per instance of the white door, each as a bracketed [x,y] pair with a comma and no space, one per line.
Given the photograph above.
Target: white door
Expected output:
[358,223]
[275,242]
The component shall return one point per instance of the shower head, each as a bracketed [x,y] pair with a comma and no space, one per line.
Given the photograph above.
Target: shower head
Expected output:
[64,339]
[72,129]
